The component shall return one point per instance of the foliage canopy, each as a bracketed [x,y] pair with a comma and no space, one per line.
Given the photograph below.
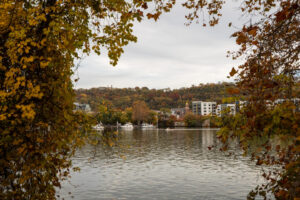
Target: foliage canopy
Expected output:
[39,41]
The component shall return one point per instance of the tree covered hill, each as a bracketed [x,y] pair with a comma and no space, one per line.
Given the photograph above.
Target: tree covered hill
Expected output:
[155,98]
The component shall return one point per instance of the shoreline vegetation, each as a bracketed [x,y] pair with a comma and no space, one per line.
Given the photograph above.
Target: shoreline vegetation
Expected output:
[112,106]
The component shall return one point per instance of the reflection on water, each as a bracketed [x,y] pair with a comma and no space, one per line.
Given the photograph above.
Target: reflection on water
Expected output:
[160,164]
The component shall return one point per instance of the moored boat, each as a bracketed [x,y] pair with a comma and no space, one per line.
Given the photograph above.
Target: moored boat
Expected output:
[147,126]
[127,126]
[98,127]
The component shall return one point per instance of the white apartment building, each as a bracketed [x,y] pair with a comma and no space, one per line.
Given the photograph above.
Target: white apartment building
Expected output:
[222,107]
[204,108]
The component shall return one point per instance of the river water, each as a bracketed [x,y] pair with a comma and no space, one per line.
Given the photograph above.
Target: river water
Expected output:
[160,164]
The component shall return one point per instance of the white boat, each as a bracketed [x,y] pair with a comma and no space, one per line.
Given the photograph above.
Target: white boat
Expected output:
[98,127]
[147,126]
[127,126]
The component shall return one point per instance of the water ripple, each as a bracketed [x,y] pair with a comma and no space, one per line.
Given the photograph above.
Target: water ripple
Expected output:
[161,165]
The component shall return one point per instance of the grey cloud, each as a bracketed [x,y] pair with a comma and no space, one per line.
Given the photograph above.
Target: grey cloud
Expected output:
[167,54]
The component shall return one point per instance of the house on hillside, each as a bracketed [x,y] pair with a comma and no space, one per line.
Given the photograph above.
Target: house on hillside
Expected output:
[82,107]
[180,112]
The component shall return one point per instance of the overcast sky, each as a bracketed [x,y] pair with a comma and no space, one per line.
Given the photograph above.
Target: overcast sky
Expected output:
[168,54]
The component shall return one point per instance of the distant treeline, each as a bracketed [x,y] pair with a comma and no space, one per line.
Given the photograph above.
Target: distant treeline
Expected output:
[156,99]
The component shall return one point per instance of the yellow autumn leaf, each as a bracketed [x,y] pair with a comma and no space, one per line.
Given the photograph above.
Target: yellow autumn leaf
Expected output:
[43,42]
[30,59]
[39,140]
[44,64]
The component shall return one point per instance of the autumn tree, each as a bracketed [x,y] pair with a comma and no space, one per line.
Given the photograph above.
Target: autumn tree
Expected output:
[140,112]
[269,74]
[152,117]
[128,114]
[107,114]
[192,120]
[270,49]
[39,41]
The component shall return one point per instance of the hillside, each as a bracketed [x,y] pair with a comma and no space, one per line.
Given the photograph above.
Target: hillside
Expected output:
[155,98]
